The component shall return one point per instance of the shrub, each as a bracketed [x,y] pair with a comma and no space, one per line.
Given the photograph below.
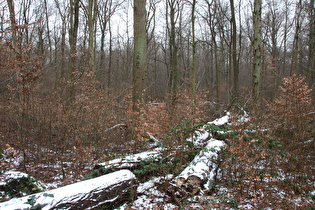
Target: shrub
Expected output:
[290,111]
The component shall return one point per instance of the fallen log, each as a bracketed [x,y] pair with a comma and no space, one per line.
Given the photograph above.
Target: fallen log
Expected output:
[201,170]
[102,192]
[130,161]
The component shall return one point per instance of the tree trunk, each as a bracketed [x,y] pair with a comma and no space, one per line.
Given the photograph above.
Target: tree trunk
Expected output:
[174,73]
[73,35]
[92,11]
[311,60]
[61,71]
[48,31]
[110,58]
[139,63]
[13,21]
[104,192]
[296,40]
[194,58]
[140,52]
[235,65]
[257,60]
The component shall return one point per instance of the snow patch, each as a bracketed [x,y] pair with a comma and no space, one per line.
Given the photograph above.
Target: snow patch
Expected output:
[13,175]
[221,121]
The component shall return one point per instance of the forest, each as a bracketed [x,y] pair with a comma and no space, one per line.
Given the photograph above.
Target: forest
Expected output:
[87,81]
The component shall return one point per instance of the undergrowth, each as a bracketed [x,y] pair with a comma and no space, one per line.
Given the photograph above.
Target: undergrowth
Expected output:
[273,152]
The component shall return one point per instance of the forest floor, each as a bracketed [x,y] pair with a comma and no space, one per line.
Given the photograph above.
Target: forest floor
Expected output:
[250,175]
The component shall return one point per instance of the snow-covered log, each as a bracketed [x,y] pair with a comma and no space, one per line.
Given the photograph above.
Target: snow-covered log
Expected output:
[101,192]
[202,169]
[130,161]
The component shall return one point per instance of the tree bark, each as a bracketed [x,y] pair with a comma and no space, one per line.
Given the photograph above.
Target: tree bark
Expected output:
[235,65]
[174,72]
[194,58]
[257,60]
[92,12]
[296,41]
[13,21]
[140,52]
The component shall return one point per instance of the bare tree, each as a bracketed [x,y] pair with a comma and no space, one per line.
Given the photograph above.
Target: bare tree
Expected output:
[106,9]
[60,69]
[209,17]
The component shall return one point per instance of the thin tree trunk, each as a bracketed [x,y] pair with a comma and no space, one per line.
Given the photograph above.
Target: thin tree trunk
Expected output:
[13,21]
[73,35]
[296,44]
[48,31]
[235,65]
[92,10]
[257,60]
[193,53]
[174,74]
[110,59]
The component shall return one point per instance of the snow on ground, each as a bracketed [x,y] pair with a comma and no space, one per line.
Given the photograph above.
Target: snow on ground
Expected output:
[150,196]
[13,175]
[221,121]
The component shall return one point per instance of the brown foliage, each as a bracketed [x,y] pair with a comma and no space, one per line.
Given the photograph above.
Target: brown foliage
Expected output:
[274,144]
[35,121]
[157,118]
[290,111]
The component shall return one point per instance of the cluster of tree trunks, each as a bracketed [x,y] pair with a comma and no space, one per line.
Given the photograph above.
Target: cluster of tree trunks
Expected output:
[217,55]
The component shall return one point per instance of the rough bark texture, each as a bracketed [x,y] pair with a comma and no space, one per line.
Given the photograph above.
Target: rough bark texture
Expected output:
[104,192]
[235,65]
[13,21]
[257,62]
[140,52]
